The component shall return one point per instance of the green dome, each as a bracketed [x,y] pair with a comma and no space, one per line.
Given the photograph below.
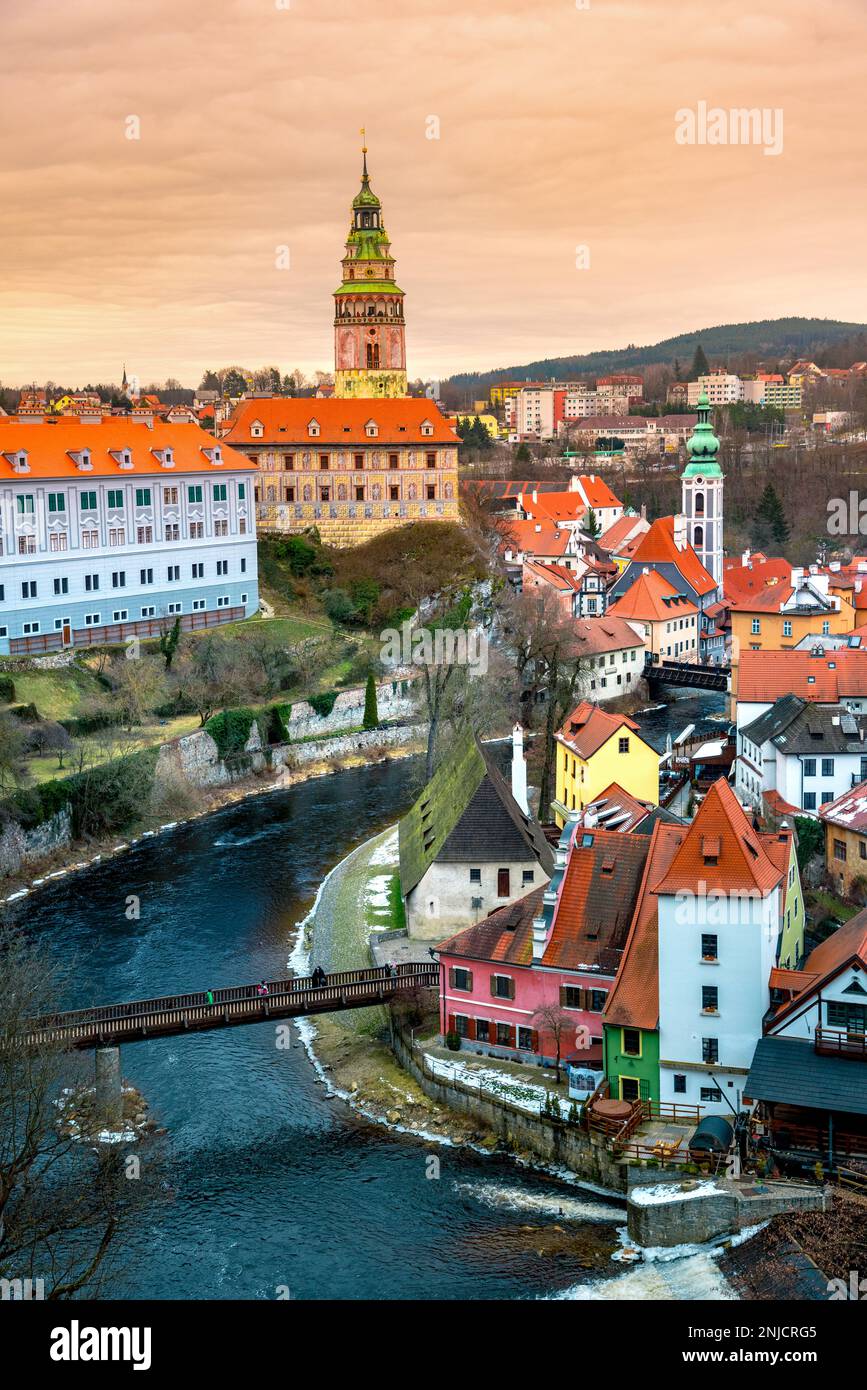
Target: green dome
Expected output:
[703,445]
[365,197]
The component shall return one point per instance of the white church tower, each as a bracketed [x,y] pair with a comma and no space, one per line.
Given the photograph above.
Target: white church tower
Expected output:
[702,485]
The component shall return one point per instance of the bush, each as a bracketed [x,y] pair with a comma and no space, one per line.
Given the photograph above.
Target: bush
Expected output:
[90,723]
[323,704]
[230,730]
[339,606]
[371,710]
[28,714]
[453,1042]
[7,689]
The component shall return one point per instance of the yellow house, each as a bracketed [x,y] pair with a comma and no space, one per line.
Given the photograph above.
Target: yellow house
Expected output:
[845,823]
[778,617]
[595,749]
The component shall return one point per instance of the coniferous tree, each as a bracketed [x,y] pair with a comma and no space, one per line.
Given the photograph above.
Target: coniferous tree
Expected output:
[371,709]
[770,527]
[700,365]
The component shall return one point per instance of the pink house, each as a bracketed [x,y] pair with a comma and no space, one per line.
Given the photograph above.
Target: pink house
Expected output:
[548,961]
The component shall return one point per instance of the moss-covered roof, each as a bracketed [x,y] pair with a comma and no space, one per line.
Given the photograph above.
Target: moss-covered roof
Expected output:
[365,287]
[467,813]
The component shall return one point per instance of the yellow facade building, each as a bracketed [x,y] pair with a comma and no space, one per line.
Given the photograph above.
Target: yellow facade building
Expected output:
[594,749]
[778,617]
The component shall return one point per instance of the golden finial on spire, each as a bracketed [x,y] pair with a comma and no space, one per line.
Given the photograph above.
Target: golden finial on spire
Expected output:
[364,150]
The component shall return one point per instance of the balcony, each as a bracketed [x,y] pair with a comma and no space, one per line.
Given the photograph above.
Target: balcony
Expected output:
[832,1042]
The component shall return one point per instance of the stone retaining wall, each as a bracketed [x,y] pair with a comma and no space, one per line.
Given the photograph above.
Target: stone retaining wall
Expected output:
[292,755]
[693,1212]
[18,847]
[393,700]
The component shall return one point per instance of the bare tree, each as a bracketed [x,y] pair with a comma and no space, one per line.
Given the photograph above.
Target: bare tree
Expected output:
[554,1022]
[13,746]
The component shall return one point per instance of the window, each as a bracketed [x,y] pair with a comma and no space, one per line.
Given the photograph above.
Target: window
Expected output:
[483,1030]
[91,619]
[197,571]
[24,504]
[596,1000]
[57,541]
[117,535]
[118,579]
[223,601]
[176,607]
[809,801]
[91,581]
[242,491]
[461,979]
[809,767]
[194,492]
[787,628]
[26,545]
[527,877]
[221,528]
[710,1049]
[503,888]
[630,1088]
[709,946]
[120,615]
[323,462]
[146,576]
[709,999]
[852,1017]
[115,499]
[30,628]
[711,1093]
[571,997]
[170,496]
[197,530]
[631,1042]
[222,567]
[173,573]
[219,492]
[827,767]
[839,846]
[28,588]
[430,460]
[61,586]
[475,875]
[756,626]
[198,605]
[56,502]
[679,1084]
[144,535]
[394,496]
[148,612]
[504,1035]
[393,461]
[89,540]
[623,745]
[502,987]
[461,1025]
[525,1039]
[358,460]
[142,496]
[173,531]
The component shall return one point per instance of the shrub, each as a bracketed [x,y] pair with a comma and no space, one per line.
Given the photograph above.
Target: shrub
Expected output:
[453,1042]
[339,606]
[90,723]
[323,704]
[230,730]
[371,710]
[7,689]
[29,714]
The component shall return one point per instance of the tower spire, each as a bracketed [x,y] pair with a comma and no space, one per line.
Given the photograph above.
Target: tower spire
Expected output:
[364,174]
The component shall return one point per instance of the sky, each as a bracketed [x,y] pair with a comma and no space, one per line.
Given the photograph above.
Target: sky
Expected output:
[537,198]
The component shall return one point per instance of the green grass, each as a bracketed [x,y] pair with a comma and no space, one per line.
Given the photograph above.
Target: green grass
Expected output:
[822,905]
[396,904]
[56,694]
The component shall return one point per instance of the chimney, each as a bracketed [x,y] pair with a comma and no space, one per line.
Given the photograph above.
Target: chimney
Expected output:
[519,769]
[745,559]
[540,937]
[644,511]
[680,531]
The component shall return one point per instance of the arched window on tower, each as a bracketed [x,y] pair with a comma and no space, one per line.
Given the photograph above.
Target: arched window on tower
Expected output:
[373,354]
[699,504]
[698,536]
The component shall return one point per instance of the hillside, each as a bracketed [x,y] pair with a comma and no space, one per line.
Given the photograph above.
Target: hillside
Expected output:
[768,338]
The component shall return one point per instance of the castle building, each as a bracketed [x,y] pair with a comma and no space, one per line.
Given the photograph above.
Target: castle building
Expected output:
[369,346]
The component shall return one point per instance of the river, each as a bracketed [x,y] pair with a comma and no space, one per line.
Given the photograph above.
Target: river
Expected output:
[269,1182]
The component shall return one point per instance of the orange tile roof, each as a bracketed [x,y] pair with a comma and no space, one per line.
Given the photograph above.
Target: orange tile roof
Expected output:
[740,580]
[650,599]
[506,934]
[634,1000]
[286,419]
[588,727]
[558,576]
[617,533]
[769,600]
[536,537]
[658,547]
[721,850]
[596,901]
[766,676]
[847,943]
[49,448]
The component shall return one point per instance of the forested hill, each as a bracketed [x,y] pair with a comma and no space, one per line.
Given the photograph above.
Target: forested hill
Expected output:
[768,338]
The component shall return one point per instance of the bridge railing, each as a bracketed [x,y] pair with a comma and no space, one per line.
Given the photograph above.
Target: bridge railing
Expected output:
[131,1016]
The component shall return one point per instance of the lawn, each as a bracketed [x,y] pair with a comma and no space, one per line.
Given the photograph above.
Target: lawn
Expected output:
[56,694]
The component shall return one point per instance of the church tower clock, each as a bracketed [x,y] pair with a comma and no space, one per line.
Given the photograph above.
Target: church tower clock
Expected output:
[369,347]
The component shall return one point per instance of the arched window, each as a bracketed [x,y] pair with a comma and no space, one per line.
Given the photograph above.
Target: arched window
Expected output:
[698,536]
[699,504]
[373,354]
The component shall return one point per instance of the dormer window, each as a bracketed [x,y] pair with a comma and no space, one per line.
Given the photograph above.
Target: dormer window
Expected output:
[82,460]
[122,457]
[214,456]
[257,429]
[165,458]
[371,429]
[19,461]
[426,427]
[313,429]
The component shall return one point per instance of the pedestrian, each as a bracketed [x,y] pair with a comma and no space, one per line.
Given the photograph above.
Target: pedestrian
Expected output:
[318,977]
[209,997]
[262,988]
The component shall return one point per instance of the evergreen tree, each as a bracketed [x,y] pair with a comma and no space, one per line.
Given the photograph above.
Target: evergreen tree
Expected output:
[591,525]
[371,710]
[770,527]
[700,366]
[522,454]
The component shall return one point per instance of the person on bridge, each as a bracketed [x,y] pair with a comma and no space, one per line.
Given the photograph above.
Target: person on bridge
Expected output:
[209,997]
[261,988]
[318,977]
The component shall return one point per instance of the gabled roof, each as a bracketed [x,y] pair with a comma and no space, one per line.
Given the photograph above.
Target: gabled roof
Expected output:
[634,1000]
[658,547]
[774,720]
[558,576]
[619,532]
[790,1071]
[721,850]
[285,421]
[596,900]
[764,676]
[467,813]
[741,580]
[651,599]
[823,729]
[504,935]
[536,537]
[608,633]
[588,727]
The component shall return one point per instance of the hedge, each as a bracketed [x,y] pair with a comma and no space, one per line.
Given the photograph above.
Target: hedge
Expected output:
[230,730]
[106,798]
[323,704]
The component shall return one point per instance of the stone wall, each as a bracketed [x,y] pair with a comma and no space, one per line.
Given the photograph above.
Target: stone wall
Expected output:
[293,755]
[394,701]
[18,847]
[693,1211]
[196,759]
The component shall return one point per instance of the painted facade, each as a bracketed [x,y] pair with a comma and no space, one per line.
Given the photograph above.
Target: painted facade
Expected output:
[595,749]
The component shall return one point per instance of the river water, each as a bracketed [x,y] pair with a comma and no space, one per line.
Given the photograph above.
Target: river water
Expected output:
[269,1182]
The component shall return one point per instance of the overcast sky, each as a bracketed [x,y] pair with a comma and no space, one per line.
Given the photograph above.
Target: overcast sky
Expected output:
[556,131]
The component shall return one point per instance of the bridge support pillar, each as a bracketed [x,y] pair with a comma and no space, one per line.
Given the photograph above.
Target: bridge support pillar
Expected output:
[109,1091]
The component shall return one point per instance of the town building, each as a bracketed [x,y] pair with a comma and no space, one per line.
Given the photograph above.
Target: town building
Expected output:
[719,387]
[845,822]
[351,468]
[114,528]
[667,619]
[808,754]
[595,749]
[806,1079]
[730,908]
[780,615]
[580,585]
[818,674]
[469,844]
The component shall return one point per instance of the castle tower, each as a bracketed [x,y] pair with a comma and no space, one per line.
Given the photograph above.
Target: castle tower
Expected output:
[702,487]
[369,347]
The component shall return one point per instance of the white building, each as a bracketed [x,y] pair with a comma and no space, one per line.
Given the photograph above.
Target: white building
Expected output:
[719,933]
[808,753]
[720,387]
[110,528]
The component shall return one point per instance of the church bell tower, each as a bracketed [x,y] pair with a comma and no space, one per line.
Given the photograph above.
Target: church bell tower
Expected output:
[702,489]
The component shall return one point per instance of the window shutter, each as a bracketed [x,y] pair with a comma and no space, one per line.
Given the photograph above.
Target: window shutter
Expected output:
[534,1040]
[512,988]
[562,996]
[451,977]
[494,986]
[471,1029]
[470,980]
[512,1036]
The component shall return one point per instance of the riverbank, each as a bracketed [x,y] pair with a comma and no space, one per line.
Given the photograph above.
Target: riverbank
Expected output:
[79,855]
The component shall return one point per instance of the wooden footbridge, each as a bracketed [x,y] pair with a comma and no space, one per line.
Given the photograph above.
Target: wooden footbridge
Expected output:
[175,1014]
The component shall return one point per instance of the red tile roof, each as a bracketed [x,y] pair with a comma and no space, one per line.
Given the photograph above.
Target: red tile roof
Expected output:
[505,935]
[617,533]
[634,1000]
[596,901]
[588,727]
[50,448]
[848,943]
[740,580]
[286,420]
[766,676]
[598,636]
[536,537]
[721,850]
[650,599]
[658,547]
[558,576]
